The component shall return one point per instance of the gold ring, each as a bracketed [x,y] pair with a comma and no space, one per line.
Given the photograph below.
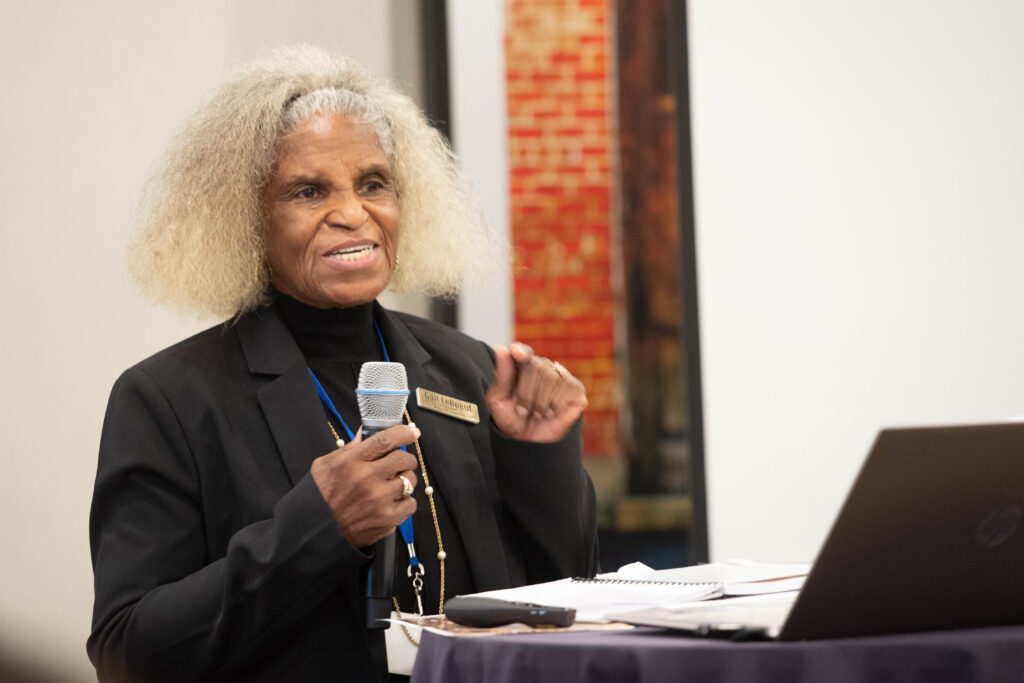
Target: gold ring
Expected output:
[407,488]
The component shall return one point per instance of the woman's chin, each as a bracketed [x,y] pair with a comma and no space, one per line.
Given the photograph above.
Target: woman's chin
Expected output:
[352,293]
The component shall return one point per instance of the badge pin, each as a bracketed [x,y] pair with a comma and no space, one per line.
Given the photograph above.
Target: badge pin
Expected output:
[446,405]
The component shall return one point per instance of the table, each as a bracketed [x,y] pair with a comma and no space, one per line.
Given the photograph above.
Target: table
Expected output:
[652,655]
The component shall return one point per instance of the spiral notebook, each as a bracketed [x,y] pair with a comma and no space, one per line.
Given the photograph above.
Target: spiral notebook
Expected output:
[635,587]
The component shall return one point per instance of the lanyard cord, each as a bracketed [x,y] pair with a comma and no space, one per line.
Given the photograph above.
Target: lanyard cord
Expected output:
[416,570]
[329,404]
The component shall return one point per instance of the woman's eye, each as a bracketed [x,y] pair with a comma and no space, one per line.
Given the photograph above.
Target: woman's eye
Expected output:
[374,186]
[307,193]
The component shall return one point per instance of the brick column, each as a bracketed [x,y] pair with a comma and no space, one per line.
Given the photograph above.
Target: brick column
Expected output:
[561,179]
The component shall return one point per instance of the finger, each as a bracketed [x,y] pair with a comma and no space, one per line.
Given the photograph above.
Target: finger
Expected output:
[521,353]
[504,373]
[540,381]
[394,463]
[404,508]
[382,443]
[549,390]
[392,514]
[570,397]
[568,391]
[570,386]
[529,385]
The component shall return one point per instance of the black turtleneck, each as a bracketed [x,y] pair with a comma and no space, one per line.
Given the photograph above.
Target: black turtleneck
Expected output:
[335,343]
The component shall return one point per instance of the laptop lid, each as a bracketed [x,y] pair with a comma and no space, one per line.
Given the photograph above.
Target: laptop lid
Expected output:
[929,538]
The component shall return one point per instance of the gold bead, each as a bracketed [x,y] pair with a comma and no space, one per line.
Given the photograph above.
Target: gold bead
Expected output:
[441,554]
[429,490]
[340,442]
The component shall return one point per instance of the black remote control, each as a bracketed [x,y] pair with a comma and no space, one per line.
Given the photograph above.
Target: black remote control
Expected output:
[485,612]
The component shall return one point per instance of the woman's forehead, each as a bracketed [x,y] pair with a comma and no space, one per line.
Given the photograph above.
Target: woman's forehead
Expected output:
[329,135]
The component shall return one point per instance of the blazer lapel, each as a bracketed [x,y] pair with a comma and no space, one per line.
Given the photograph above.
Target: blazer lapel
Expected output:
[452,460]
[289,402]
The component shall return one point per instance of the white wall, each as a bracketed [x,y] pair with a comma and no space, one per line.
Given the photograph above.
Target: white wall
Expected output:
[859,168]
[92,93]
[476,62]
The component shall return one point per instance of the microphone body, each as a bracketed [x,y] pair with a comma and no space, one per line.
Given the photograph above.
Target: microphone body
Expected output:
[382,393]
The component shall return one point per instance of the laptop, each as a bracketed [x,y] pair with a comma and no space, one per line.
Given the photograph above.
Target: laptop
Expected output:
[930,537]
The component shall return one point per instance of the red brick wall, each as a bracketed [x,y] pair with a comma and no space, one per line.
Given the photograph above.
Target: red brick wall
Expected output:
[560,162]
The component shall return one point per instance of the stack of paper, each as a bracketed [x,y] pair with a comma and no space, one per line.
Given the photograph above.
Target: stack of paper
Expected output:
[637,586]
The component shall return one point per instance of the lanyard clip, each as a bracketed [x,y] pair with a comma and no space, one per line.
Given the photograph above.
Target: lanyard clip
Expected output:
[417,583]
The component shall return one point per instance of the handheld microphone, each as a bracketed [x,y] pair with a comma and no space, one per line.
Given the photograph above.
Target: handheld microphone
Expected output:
[381,393]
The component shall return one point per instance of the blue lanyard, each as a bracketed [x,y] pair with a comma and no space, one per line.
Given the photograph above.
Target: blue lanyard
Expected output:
[405,528]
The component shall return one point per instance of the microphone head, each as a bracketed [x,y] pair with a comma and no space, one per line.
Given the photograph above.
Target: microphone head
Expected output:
[382,393]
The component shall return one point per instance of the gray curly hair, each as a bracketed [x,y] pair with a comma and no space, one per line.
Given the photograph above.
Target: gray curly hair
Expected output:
[198,244]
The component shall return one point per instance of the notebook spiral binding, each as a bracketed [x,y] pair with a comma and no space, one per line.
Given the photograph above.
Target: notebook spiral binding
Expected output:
[640,582]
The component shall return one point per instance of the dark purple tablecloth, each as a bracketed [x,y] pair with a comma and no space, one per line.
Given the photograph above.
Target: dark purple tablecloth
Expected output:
[975,656]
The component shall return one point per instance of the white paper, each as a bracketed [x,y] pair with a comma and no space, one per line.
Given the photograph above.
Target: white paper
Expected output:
[642,587]
[730,572]
[598,601]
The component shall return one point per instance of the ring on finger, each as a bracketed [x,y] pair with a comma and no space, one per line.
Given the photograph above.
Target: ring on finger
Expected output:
[407,487]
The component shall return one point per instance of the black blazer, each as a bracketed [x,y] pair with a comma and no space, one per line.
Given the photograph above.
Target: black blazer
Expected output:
[215,556]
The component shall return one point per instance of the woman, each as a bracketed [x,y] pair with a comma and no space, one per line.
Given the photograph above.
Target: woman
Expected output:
[235,504]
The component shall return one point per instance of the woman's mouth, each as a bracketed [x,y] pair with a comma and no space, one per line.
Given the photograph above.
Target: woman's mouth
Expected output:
[352,253]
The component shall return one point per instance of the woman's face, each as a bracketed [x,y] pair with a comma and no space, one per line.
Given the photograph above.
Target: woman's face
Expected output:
[332,214]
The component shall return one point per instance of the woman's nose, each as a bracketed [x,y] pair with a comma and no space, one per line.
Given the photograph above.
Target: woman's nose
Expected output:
[346,211]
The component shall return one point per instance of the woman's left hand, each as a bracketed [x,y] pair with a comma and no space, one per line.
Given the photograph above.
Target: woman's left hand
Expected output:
[532,398]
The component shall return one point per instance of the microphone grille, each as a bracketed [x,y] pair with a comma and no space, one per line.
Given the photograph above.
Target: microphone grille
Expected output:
[375,376]
[382,392]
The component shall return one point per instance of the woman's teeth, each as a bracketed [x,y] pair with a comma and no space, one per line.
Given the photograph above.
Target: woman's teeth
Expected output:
[353,254]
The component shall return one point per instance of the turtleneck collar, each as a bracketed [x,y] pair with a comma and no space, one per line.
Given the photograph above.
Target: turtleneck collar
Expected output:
[332,333]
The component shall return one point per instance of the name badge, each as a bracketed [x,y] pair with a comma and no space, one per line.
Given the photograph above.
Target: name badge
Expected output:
[446,405]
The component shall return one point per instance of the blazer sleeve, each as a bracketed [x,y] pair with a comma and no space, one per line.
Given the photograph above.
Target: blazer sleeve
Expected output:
[550,501]
[164,610]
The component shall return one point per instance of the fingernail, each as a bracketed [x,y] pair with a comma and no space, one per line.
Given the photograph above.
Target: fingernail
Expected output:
[521,411]
[415,431]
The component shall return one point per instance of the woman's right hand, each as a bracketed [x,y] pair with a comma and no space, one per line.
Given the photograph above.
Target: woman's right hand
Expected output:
[360,482]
